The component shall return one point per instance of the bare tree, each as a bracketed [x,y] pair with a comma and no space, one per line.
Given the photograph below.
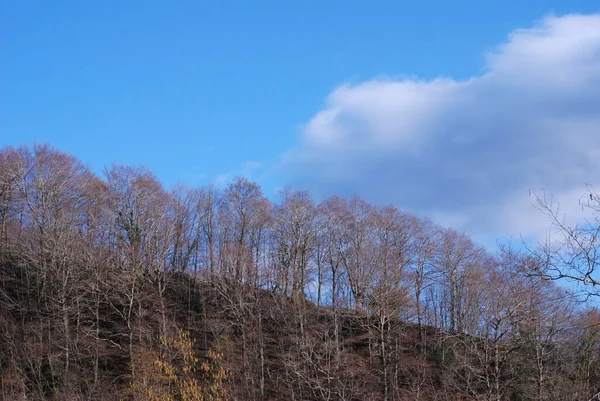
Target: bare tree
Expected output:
[458,270]
[138,204]
[424,242]
[244,211]
[209,201]
[571,251]
[294,227]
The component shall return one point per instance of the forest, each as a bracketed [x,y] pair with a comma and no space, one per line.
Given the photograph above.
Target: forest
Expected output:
[115,288]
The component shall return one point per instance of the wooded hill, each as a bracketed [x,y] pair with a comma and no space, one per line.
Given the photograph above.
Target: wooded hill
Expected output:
[114,288]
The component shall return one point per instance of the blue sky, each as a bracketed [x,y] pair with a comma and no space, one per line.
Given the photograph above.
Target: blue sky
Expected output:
[318,95]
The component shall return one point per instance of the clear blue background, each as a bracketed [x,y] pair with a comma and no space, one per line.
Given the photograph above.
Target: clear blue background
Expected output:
[196,90]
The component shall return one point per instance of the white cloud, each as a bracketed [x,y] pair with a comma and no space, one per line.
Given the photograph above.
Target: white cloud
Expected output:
[250,168]
[467,152]
[223,179]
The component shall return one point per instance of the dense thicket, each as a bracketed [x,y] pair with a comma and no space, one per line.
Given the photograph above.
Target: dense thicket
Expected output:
[114,288]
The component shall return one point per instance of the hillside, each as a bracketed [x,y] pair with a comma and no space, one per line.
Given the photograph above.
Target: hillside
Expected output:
[272,347]
[115,288]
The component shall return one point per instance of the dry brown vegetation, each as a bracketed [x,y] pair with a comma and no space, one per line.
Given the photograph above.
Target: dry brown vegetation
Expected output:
[117,289]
